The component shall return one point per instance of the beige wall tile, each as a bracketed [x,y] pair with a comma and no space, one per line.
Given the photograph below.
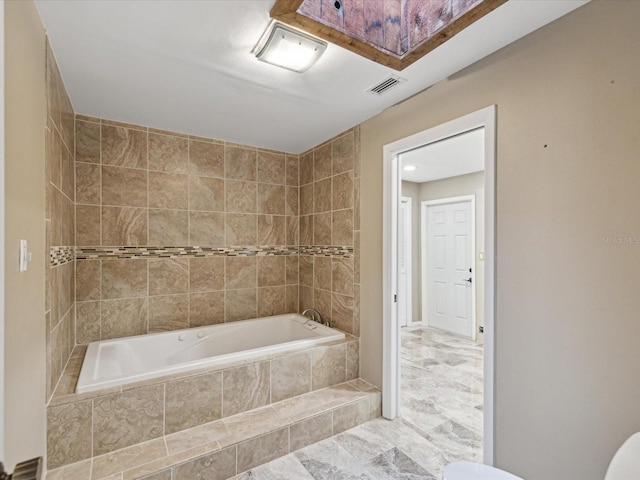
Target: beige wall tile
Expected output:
[87,322]
[87,142]
[356,310]
[240,272]
[123,318]
[193,401]
[168,190]
[271,301]
[127,418]
[305,298]
[124,187]
[240,163]
[342,227]
[306,270]
[206,193]
[290,376]
[312,430]
[306,199]
[206,274]
[168,275]
[245,388]
[292,233]
[343,190]
[124,226]
[218,465]
[206,308]
[271,167]
[168,227]
[291,270]
[292,170]
[88,185]
[356,204]
[206,228]
[343,153]
[322,195]
[342,275]
[124,278]
[87,225]
[342,312]
[240,196]
[322,303]
[306,230]
[240,304]
[206,159]
[68,174]
[124,147]
[291,298]
[109,467]
[322,162]
[271,199]
[322,229]
[272,230]
[68,433]
[322,272]
[292,200]
[356,256]
[263,449]
[241,229]
[88,280]
[271,270]
[328,366]
[168,312]
[168,153]
[306,168]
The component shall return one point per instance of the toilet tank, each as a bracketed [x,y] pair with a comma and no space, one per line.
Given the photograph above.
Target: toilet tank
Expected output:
[625,464]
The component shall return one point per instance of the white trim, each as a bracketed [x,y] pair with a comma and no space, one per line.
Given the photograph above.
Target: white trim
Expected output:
[390,371]
[409,259]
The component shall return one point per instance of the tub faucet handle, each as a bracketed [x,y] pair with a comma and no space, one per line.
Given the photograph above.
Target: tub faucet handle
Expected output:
[315,316]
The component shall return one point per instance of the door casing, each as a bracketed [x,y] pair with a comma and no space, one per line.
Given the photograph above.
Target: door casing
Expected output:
[391,197]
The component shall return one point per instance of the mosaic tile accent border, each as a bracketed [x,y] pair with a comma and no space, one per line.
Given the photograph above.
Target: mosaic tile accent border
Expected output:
[326,251]
[61,255]
[86,253]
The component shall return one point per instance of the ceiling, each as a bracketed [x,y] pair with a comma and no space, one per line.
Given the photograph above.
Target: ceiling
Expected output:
[450,157]
[187,66]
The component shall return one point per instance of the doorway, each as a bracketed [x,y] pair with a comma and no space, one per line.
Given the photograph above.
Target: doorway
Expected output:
[485,120]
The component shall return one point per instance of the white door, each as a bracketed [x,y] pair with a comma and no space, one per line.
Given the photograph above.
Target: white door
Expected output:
[449,265]
[404,262]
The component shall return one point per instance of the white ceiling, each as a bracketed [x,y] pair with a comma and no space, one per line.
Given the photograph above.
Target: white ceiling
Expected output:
[451,157]
[187,66]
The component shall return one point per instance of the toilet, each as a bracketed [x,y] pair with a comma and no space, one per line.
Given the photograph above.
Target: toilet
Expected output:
[624,465]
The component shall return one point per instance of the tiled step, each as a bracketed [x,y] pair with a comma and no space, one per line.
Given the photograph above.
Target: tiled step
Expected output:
[224,448]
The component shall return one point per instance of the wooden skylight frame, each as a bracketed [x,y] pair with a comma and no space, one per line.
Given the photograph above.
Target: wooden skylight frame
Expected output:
[286,11]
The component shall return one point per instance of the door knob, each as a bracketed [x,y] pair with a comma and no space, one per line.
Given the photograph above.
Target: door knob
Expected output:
[467,280]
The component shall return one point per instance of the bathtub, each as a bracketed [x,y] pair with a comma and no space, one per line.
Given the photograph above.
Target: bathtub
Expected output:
[110,363]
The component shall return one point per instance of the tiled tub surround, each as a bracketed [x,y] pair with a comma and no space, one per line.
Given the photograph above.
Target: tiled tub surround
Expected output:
[221,449]
[128,360]
[139,187]
[329,216]
[59,223]
[81,426]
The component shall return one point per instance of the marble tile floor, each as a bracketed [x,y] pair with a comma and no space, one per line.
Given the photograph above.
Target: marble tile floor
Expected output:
[441,421]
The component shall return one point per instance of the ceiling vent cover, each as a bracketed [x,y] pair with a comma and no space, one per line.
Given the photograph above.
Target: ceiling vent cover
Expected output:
[386,85]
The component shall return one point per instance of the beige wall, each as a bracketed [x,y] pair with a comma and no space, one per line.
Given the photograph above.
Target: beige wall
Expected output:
[567,190]
[24,350]
[471,184]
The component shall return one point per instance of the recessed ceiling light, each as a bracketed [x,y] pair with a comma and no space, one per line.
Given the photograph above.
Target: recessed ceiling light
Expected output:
[288,48]
[409,168]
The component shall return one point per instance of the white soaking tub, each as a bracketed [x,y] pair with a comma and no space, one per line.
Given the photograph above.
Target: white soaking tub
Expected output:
[126,360]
